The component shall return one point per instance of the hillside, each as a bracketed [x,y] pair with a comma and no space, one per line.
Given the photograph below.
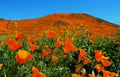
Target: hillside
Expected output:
[61,23]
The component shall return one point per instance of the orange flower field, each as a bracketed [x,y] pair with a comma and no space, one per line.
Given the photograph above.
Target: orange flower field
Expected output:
[59,45]
[50,56]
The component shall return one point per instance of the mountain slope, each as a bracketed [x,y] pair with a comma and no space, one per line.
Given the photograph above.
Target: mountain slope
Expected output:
[61,23]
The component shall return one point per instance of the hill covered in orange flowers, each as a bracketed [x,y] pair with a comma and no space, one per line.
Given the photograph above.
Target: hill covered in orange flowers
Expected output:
[61,23]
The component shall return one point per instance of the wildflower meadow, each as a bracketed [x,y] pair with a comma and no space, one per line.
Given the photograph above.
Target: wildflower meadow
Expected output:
[55,56]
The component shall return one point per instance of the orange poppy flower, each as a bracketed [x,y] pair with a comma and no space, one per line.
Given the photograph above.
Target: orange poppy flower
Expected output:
[1,66]
[69,47]
[54,58]
[77,69]
[58,44]
[99,67]
[51,34]
[106,63]
[30,40]
[82,54]
[18,35]
[1,42]
[23,56]
[117,42]
[76,75]
[13,44]
[106,73]
[36,73]
[90,75]
[99,56]
[73,48]
[86,60]
[113,74]
[33,47]
[68,40]
[46,52]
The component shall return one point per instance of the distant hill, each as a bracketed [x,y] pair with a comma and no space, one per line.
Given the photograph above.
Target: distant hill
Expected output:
[2,19]
[61,23]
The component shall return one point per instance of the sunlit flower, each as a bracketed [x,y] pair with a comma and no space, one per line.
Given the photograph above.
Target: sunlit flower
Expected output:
[117,42]
[13,44]
[68,40]
[69,47]
[58,44]
[106,63]
[54,58]
[99,56]
[108,73]
[99,67]
[90,75]
[77,69]
[1,66]
[82,54]
[51,34]
[86,60]
[33,47]
[76,75]
[1,42]
[18,35]
[36,73]
[30,40]
[113,74]
[46,52]
[23,56]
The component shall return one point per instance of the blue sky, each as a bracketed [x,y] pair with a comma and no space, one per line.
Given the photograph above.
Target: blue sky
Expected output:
[26,9]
